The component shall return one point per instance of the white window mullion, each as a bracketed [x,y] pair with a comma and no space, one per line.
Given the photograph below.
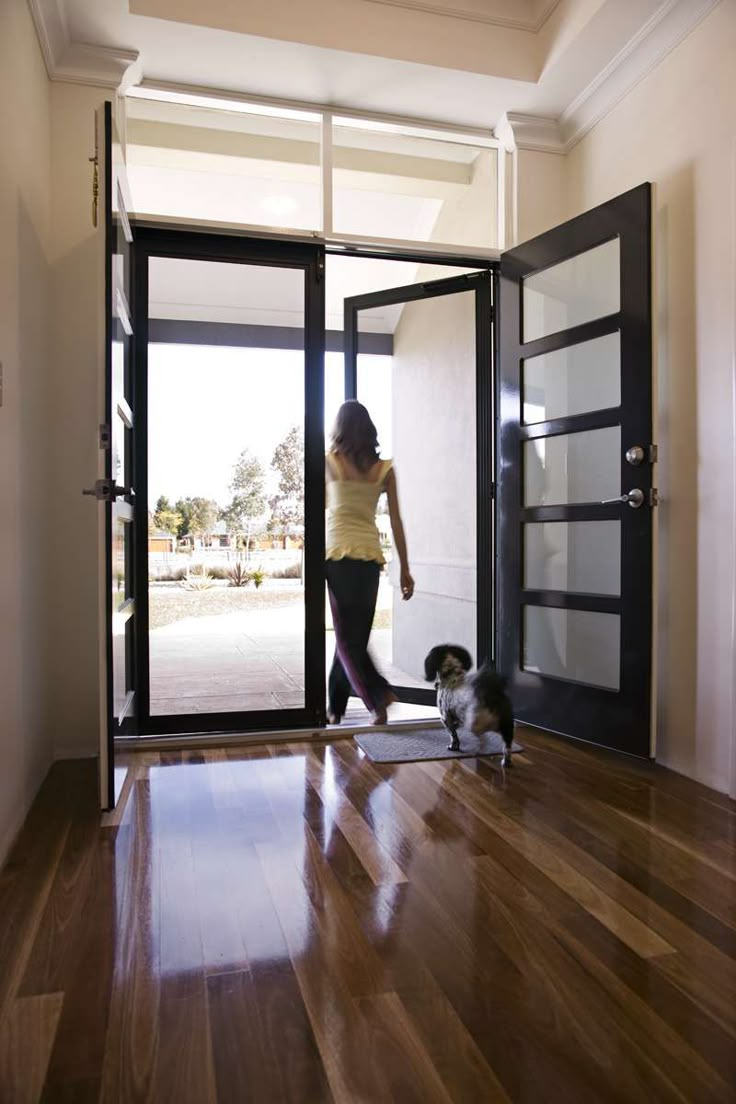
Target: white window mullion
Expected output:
[326,173]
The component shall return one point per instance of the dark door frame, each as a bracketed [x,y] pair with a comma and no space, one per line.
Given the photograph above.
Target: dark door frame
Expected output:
[192,245]
[152,241]
[482,286]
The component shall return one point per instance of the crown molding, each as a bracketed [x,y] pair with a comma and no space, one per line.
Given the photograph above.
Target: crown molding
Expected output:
[533,23]
[531,132]
[49,18]
[662,34]
[78,62]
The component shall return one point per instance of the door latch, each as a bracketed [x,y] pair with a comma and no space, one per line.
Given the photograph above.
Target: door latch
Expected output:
[640,454]
[106,490]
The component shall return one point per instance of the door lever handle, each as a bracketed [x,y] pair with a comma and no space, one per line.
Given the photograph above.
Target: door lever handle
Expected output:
[634,498]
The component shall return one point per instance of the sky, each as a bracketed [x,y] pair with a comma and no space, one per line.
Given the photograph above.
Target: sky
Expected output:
[208,403]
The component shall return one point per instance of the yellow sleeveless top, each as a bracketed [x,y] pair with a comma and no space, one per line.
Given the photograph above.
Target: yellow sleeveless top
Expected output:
[351,514]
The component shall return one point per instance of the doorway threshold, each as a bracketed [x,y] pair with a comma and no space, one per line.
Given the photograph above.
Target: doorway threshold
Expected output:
[187,741]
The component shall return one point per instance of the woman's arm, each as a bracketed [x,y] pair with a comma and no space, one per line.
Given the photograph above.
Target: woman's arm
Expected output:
[397,528]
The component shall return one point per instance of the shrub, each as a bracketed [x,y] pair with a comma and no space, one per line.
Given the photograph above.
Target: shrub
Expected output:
[239,575]
[258,575]
[168,576]
[198,580]
[219,571]
[290,571]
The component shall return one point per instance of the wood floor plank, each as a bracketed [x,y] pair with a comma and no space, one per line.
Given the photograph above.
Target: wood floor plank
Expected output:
[296,923]
[26,1040]
[29,872]
[366,843]
[565,874]
[456,1056]
[131,1046]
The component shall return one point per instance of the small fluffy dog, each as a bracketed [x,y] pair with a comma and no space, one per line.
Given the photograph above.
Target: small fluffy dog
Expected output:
[475,701]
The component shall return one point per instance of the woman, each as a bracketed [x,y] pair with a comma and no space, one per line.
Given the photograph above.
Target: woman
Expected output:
[356,477]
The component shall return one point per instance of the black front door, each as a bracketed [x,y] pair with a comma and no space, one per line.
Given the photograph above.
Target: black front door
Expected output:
[441,401]
[229,372]
[575,507]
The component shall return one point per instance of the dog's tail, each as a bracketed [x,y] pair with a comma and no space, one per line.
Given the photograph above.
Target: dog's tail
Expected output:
[490,691]
[489,684]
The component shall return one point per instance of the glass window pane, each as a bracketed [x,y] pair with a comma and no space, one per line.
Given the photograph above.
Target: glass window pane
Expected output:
[577,290]
[582,557]
[573,467]
[573,380]
[257,169]
[395,184]
[573,644]
[225,487]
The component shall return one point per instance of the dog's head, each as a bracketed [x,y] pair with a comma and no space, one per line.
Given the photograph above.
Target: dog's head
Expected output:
[445,660]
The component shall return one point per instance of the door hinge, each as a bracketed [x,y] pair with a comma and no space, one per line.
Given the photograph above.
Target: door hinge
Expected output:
[320,268]
[105,437]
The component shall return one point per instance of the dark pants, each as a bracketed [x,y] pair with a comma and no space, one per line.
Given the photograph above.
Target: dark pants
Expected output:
[353,590]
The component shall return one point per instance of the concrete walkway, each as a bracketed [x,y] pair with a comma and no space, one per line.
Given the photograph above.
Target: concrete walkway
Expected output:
[248,660]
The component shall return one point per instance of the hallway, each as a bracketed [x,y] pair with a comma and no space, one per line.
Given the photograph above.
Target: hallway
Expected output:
[296,923]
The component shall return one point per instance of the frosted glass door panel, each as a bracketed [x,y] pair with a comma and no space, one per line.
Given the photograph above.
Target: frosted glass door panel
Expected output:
[578,290]
[576,645]
[580,557]
[573,380]
[573,467]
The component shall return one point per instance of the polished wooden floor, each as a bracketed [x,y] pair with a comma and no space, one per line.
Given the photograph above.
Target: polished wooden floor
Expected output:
[298,924]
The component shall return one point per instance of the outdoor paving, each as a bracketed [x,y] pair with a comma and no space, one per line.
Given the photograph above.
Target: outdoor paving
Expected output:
[247,660]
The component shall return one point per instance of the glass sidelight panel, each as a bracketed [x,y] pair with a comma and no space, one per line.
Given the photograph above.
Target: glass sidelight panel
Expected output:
[572,467]
[577,290]
[576,645]
[580,557]
[574,380]
[226,369]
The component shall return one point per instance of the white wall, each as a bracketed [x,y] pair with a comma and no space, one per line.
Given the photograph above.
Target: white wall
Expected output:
[541,192]
[25,746]
[677,128]
[73,396]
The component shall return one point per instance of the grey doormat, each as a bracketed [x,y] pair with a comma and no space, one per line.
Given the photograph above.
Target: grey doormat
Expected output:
[402,746]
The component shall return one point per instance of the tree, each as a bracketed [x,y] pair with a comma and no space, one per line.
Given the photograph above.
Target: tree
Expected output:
[205,513]
[165,517]
[183,508]
[287,505]
[197,516]
[249,501]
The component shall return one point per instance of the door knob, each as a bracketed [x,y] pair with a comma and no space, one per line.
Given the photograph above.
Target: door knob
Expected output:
[634,498]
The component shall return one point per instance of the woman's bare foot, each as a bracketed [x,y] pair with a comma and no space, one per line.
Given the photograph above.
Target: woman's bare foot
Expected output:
[380,717]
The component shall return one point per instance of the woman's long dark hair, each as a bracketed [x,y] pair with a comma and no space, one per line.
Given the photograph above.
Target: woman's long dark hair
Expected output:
[354,435]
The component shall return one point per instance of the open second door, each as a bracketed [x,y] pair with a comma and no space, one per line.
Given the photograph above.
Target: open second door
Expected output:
[576,454]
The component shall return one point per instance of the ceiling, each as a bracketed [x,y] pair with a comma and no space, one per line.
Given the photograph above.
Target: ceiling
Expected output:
[551,67]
